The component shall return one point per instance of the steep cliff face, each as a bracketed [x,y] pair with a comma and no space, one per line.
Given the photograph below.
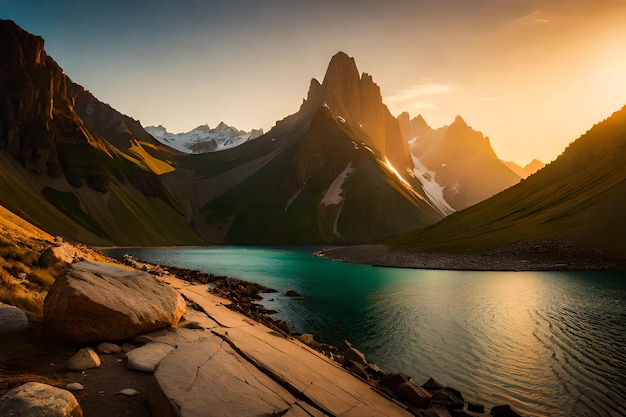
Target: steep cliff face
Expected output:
[65,173]
[357,99]
[459,159]
[35,111]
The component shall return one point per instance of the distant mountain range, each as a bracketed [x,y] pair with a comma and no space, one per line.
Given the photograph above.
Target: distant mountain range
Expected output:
[203,138]
[574,204]
[341,169]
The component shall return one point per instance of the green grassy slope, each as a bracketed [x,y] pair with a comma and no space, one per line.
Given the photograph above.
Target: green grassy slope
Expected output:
[579,198]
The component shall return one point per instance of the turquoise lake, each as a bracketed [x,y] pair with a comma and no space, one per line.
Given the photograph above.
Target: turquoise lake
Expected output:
[547,343]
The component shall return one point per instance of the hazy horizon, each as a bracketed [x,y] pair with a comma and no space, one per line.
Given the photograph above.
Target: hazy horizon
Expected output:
[532,77]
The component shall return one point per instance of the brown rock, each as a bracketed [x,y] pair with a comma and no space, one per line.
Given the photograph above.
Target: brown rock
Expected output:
[108,348]
[418,396]
[85,358]
[12,320]
[34,399]
[353,355]
[93,301]
[393,381]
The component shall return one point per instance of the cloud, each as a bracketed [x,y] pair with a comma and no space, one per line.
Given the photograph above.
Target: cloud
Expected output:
[418,91]
[533,18]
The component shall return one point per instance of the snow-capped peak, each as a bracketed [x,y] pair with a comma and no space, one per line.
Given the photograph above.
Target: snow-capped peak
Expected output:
[204,139]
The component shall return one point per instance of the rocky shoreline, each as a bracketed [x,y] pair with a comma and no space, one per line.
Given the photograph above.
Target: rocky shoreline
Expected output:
[163,374]
[527,256]
[429,399]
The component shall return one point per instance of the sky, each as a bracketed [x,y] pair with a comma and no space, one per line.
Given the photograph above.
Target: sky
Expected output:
[532,75]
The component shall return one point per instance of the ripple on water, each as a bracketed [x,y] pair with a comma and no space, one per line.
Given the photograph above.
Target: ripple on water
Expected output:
[549,344]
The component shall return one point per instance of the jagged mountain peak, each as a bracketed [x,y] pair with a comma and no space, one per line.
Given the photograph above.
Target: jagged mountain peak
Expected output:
[201,128]
[340,68]
[459,121]
[419,119]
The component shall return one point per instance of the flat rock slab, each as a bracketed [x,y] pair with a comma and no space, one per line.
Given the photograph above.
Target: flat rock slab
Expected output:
[207,377]
[292,364]
[147,357]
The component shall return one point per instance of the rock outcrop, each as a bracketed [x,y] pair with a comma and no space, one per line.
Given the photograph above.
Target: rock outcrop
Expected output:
[34,399]
[93,301]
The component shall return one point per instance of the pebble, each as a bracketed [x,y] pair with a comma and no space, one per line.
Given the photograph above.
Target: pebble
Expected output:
[128,392]
[74,386]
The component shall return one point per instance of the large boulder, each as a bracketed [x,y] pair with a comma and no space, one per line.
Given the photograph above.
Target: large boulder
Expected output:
[34,399]
[94,301]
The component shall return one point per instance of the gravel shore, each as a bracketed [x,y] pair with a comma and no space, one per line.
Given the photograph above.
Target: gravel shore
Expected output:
[529,256]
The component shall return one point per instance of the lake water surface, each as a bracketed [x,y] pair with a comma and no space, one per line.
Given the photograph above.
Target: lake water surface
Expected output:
[547,343]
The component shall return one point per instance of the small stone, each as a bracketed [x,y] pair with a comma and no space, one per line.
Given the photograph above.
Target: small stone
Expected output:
[353,355]
[306,338]
[108,348]
[85,358]
[74,386]
[128,392]
[293,293]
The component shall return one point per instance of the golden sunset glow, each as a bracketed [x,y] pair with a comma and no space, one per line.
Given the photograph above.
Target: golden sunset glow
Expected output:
[530,75]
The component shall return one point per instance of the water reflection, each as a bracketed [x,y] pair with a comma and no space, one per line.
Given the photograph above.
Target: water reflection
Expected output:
[546,343]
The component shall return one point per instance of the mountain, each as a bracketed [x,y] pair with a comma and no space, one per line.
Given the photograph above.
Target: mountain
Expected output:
[338,170]
[458,159]
[335,171]
[203,138]
[527,170]
[73,165]
[574,206]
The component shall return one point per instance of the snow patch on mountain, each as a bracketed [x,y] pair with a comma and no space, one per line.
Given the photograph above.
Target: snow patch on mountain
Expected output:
[433,190]
[333,195]
[204,139]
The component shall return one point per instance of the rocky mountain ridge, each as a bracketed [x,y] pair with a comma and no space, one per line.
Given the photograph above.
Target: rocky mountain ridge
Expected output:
[85,171]
[458,159]
[339,170]
[203,138]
